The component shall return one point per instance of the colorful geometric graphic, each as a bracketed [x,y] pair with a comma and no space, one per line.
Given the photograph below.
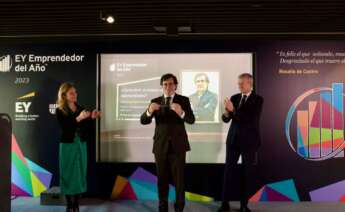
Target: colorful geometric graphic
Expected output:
[28,179]
[279,191]
[334,192]
[142,185]
[122,189]
[319,124]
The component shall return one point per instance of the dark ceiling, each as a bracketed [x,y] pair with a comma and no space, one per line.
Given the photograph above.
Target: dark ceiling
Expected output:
[24,18]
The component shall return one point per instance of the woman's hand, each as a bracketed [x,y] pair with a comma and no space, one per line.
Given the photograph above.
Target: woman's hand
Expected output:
[83,115]
[95,114]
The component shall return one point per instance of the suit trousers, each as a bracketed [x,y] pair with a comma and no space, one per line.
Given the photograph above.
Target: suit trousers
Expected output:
[170,165]
[246,171]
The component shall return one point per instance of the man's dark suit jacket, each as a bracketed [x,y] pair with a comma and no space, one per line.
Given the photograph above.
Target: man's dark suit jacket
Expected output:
[170,126]
[244,130]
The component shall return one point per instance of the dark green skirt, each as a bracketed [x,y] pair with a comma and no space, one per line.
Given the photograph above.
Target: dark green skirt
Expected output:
[73,167]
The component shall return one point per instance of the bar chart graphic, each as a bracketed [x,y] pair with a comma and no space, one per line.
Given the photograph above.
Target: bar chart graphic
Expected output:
[5,63]
[314,127]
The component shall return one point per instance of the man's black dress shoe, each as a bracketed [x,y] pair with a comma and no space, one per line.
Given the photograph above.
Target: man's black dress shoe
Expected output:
[245,209]
[224,208]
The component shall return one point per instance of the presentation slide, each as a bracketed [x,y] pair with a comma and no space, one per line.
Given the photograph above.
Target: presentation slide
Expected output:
[129,81]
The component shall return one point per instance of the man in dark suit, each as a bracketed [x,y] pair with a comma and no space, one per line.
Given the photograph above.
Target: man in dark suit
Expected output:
[243,140]
[170,145]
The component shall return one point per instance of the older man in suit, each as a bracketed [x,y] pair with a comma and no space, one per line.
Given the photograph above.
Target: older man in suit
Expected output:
[243,140]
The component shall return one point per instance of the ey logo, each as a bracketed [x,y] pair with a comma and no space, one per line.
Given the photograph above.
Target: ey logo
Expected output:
[24,106]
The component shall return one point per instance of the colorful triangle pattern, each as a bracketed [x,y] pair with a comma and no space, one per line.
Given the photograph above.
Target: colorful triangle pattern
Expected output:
[28,178]
[142,185]
[279,191]
[334,192]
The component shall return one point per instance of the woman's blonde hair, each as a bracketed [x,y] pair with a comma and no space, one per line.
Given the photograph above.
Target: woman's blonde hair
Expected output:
[61,100]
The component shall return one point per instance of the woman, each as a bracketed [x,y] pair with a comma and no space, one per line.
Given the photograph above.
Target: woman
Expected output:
[76,124]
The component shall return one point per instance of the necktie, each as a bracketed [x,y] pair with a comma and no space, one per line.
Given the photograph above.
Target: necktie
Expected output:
[243,100]
[167,100]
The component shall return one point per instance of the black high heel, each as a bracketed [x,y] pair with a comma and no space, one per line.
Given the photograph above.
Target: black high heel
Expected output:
[69,205]
[76,203]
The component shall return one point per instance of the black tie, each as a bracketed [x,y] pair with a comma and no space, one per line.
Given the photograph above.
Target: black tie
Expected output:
[167,100]
[243,100]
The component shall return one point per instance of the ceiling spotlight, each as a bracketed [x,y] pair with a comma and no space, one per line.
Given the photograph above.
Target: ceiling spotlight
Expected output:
[106,17]
[110,19]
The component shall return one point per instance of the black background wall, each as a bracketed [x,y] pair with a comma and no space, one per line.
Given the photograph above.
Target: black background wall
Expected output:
[39,139]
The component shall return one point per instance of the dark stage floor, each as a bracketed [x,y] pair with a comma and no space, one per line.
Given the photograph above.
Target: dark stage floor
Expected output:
[26,204]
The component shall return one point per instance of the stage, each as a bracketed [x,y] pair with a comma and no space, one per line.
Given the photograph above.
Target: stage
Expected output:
[27,204]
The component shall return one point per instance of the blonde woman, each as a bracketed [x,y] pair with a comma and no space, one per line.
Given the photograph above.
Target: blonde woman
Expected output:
[75,123]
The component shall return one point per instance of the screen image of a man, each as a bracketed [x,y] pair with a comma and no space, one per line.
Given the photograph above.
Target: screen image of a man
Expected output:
[204,102]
